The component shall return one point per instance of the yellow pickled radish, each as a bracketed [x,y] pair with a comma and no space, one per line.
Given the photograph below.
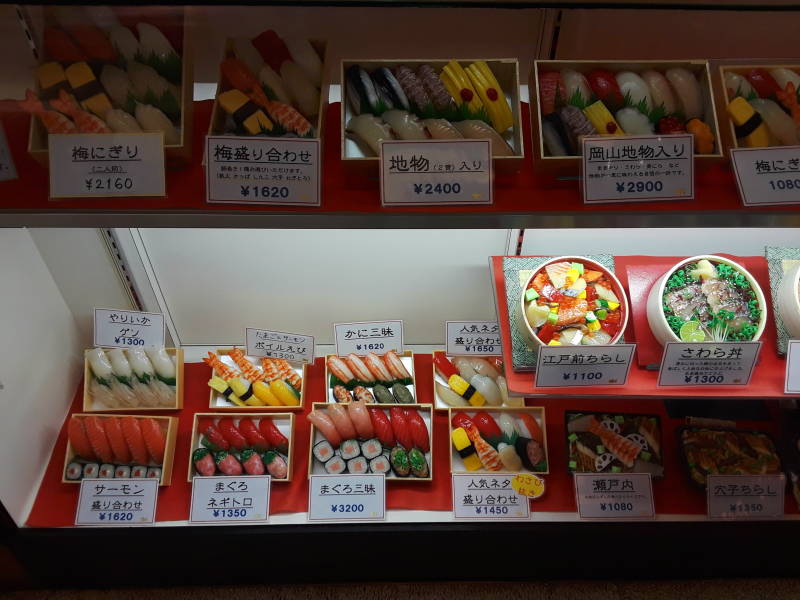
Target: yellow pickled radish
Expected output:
[263,393]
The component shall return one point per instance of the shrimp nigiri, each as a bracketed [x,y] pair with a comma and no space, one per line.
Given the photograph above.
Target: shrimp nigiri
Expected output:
[86,122]
[53,121]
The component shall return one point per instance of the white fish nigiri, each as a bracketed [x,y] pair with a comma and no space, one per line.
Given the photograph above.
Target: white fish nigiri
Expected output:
[125,42]
[660,92]
[145,78]
[737,85]
[117,84]
[488,389]
[782,76]
[370,130]
[99,364]
[153,42]
[484,367]
[634,87]
[464,366]
[119,121]
[479,130]
[441,129]
[576,82]
[162,363]
[448,396]
[303,53]
[245,51]
[778,122]
[405,125]
[272,82]
[102,16]
[152,119]
[688,90]
[305,95]
[633,122]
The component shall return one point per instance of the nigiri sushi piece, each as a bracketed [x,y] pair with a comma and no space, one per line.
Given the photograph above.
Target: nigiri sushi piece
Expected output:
[93,42]
[103,16]
[464,366]
[370,130]
[779,123]
[116,439]
[145,373]
[788,98]
[244,50]
[54,122]
[448,396]
[359,369]
[401,427]
[491,95]
[763,83]
[125,42]
[340,369]
[387,86]
[273,85]
[154,439]
[76,434]
[96,434]
[479,130]
[357,411]
[162,363]
[52,79]
[577,125]
[407,126]
[782,76]
[634,122]
[634,89]
[688,91]
[303,53]
[146,80]
[660,92]
[117,84]
[154,43]
[576,87]
[488,389]
[152,119]
[552,92]
[736,85]
[341,420]
[58,46]
[554,135]
[419,430]
[458,83]
[361,92]
[121,122]
[84,121]
[508,426]
[434,87]
[84,85]
[395,365]
[378,369]
[305,95]
[748,124]
[412,86]
[272,49]
[605,87]
[441,129]
[484,367]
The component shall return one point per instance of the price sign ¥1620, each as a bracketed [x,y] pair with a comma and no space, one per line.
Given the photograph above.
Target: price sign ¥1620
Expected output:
[115,502]
[363,337]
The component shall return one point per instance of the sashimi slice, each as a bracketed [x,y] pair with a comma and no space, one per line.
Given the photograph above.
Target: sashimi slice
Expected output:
[135,440]
[78,439]
[154,439]
[116,439]
[557,272]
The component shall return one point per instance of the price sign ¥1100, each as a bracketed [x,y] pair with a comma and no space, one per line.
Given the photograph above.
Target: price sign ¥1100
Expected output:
[567,366]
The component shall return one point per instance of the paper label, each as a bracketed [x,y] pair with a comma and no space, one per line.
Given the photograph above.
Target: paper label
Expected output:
[106,165]
[638,168]
[488,497]
[792,367]
[363,337]
[767,175]
[708,363]
[614,496]
[473,338]
[568,366]
[436,172]
[128,328]
[294,347]
[743,497]
[528,484]
[8,170]
[117,502]
[257,170]
[230,499]
[347,498]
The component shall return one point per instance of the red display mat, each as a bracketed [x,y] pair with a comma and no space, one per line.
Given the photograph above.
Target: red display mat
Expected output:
[768,376]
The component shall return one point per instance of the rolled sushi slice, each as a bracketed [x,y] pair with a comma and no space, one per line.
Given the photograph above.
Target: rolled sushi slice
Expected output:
[152,119]
[479,130]
[122,472]
[323,451]
[407,126]
[441,129]
[361,92]
[369,130]
[387,86]
[303,54]
[156,51]
[154,473]
[106,471]
[357,466]
[139,472]
[125,42]
[336,466]
[74,471]
[380,464]
[349,449]
[688,90]
[90,470]
[634,122]
[371,448]
[634,89]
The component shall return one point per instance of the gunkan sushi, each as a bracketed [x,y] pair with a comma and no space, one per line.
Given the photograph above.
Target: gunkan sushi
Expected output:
[399,460]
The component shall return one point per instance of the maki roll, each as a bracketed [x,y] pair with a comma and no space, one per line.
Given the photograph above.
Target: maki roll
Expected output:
[349,449]
[399,461]
[530,452]
[138,472]
[152,472]
[123,472]
[383,395]
[323,451]
[380,464]
[371,448]
[90,470]
[73,472]
[336,466]
[419,466]
[357,465]
[401,394]
[106,471]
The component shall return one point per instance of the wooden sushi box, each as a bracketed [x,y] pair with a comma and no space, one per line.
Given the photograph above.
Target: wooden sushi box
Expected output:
[283,421]
[175,156]
[408,364]
[218,116]
[424,410]
[217,403]
[538,412]
[169,454]
[506,71]
[571,165]
[89,406]
[438,378]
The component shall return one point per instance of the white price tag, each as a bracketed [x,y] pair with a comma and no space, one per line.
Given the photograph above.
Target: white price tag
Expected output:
[8,170]
[230,499]
[638,168]
[614,496]
[745,496]
[128,328]
[767,175]
[488,497]
[436,172]
[363,337]
[257,170]
[295,347]
[567,366]
[117,502]
[708,363]
[106,165]
[792,367]
[347,498]
[473,338]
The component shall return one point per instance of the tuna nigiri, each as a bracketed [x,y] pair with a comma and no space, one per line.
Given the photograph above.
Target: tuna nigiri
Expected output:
[400,427]
[254,437]
[341,420]
[59,46]
[382,427]
[227,463]
[213,436]
[605,88]
[204,462]
[419,431]
[551,92]
[232,434]
[323,422]
[272,49]
[763,83]
[357,411]
[488,427]
[276,439]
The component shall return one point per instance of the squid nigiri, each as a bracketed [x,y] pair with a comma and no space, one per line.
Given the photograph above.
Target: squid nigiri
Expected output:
[660,92]
[688,90]
[152,119]
[305,95]
[484,367]
[634,88]
[782,76]
[634,122]
[119,121]
[304,55]
[117,84]
[245,51]
[474,129]
[370,130]
[154,43]
[273,85]
[779,123]
[407,126]
[125,42]
[441,129]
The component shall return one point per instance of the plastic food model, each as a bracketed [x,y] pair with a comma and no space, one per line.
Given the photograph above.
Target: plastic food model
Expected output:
[606,443]
[608,103]
[572,301]
[421,103]
[706,299]
[276,383]
[763,106]
[357,438]
[789,301]
[498,442]
[471,381]
[370,378]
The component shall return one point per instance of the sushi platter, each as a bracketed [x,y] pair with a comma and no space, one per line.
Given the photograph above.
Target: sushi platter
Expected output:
[119,447]
[498,440]
[455,378]
[422,99]
[125,72]
[575,98]
[242,443]
[360,438]
[132,379]
[385,379]
[239,381]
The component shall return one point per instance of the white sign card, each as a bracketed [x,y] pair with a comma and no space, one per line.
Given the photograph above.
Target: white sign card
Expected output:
[488,497]
[638,168]
[295,347]
[8,170]
[792,367]
[767,176]
[363,337]
[473,338]
[243,499]
[614,495]
[708,363]
[117,502]
[347,498]
[436,172]
[745,496]
[260,170]
[106,165]
[128,328]
[567,366]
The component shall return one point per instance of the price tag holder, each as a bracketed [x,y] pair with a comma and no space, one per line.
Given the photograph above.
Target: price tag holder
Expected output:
[614,496]
[488,497]
[255,170]
[117,502]
[745,497]
[568,366]
[767,176]
[363,337]
[8,170]
[106,165]
[436,172]
[347,498]
[243,499]
[792,367]
[128,328]
[296,347]
[473,338]
[638,168]
[708,363]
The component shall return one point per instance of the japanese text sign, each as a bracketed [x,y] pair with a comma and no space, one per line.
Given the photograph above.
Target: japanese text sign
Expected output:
[638,168]
[792,367]
[230,499]
[109,164]
[708,363]
[125,328]
[473,338]
[567,366]
[614,496]
[257,170]
[295,347]
[745,496]
[489,497]
[8,170]
[368,336]
[114,502]
[436,172]
[767,175]
[347,498]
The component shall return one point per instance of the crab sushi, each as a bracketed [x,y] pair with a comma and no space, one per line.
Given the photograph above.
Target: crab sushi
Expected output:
[90,470]
[336,466]
[106,471]
[357,465]
[380,464]
[74,471]
[138,472]
[122,472]
[349,449]
[371,448]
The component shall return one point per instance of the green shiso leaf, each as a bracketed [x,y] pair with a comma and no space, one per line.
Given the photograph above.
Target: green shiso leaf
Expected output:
[578,100]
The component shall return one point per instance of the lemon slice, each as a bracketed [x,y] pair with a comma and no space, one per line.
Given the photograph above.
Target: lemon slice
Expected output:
[691,332]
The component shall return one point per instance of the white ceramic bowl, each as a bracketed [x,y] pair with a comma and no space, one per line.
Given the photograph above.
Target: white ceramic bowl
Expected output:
[789,301]
[526,328]
[655,313]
